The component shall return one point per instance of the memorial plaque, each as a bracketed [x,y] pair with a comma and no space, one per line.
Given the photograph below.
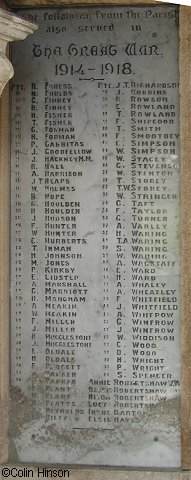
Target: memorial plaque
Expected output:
[95,318]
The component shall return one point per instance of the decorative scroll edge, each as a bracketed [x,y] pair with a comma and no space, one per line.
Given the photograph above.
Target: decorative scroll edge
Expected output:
[11,28]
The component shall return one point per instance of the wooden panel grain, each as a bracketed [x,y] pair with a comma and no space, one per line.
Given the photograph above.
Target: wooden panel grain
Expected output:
[4,269]
[185,175]
[58,3]
[3,4]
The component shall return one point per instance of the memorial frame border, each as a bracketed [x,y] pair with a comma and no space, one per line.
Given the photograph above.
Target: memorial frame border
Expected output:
[96,473]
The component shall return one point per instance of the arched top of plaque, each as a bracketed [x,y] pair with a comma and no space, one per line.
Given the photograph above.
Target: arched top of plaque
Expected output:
[12,28]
